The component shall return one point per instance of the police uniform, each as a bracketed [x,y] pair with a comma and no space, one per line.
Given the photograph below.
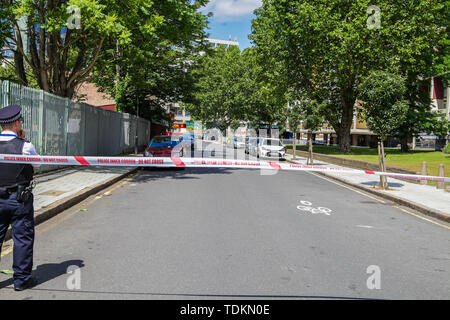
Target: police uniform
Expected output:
[16,200]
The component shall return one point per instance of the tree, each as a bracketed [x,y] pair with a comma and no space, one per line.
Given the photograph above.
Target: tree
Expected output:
[217,97]
[294,117]
[384,108]
[61,54]
[66,38]
[156,65]
[263,90]
[327,47]
[5,7]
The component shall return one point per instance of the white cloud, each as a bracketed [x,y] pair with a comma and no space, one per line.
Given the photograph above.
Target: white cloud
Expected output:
[228,10]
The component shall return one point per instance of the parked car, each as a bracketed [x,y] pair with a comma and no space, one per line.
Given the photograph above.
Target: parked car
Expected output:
[188,140]
[164,146]
[248,144]
[270,148]
[318,142]
[253,146]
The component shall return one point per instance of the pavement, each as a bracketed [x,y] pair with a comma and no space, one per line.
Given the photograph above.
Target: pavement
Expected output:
[426,199]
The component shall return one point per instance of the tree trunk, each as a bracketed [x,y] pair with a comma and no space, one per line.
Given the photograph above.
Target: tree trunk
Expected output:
[382,164]
[310,156]
[20,69]
[344,140]
[404,144]
[346,120]
[294,147]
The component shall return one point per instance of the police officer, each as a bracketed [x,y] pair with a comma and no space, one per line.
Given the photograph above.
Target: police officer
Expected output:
[16,199]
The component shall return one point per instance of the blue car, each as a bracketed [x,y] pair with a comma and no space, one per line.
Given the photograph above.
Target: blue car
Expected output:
[188,140]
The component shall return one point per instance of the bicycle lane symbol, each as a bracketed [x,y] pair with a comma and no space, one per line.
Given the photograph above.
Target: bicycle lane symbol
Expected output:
[306,206]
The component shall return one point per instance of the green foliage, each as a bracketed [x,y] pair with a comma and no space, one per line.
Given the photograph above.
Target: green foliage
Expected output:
[384,107]
[438,125]
[154,40]
[307,112]
[8,72]
[216,95]
[5,6]
[447,148]
[326,49]
[155,64]
[231,86]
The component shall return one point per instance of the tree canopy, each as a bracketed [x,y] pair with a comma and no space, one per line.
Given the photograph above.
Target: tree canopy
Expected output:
[384,106]
[327,48]
[142,43]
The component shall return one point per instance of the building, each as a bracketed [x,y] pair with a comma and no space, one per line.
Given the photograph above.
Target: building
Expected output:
[88,93]
[215,43]
[439,96]
[362,136]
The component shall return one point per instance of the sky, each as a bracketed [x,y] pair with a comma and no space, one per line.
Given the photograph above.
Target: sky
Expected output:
[232,19]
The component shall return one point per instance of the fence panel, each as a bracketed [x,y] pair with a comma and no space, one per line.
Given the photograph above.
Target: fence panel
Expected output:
[75,129]
[91,120]
[29,99]
[58,126]
[54,125]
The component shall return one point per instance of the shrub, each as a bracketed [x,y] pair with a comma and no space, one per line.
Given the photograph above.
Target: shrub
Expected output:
[447,148]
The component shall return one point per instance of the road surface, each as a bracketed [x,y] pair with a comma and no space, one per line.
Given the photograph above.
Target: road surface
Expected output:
[236,234]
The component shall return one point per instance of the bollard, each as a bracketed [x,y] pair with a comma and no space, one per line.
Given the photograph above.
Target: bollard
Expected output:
[424,172]
[441,185]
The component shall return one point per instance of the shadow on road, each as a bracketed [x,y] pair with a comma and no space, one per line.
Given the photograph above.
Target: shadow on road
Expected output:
[152,174]
[48,271]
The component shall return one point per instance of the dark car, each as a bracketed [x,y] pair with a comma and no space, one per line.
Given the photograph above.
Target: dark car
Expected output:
[164,146]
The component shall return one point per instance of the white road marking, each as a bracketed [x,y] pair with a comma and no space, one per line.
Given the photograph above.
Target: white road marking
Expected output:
[306,206]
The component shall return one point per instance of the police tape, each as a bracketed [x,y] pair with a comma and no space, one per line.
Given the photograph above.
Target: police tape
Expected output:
[195,163]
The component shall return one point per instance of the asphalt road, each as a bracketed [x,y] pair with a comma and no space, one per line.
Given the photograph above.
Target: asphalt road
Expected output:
[224,234]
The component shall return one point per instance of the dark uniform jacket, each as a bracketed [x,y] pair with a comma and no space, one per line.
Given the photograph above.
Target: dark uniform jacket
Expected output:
[14,174]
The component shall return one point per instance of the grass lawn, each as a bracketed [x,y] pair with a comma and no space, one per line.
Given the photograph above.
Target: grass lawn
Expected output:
[411,160]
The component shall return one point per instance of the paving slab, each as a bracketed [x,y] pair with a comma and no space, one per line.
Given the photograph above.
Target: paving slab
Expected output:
[65,184]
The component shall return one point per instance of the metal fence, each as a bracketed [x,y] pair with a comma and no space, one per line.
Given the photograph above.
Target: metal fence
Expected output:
[59,126]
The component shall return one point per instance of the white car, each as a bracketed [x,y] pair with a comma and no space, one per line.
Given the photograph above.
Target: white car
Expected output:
[253,146]
[270,148]
[238,142]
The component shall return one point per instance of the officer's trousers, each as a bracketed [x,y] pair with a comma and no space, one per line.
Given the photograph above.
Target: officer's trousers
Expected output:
[20,215]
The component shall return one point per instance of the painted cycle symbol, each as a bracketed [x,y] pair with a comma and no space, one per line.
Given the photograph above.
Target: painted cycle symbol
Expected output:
[307,206]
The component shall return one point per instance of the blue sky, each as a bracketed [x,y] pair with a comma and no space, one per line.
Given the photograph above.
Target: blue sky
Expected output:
[232,18]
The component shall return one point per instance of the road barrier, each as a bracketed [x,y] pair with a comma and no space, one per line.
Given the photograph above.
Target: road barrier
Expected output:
[194,163]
